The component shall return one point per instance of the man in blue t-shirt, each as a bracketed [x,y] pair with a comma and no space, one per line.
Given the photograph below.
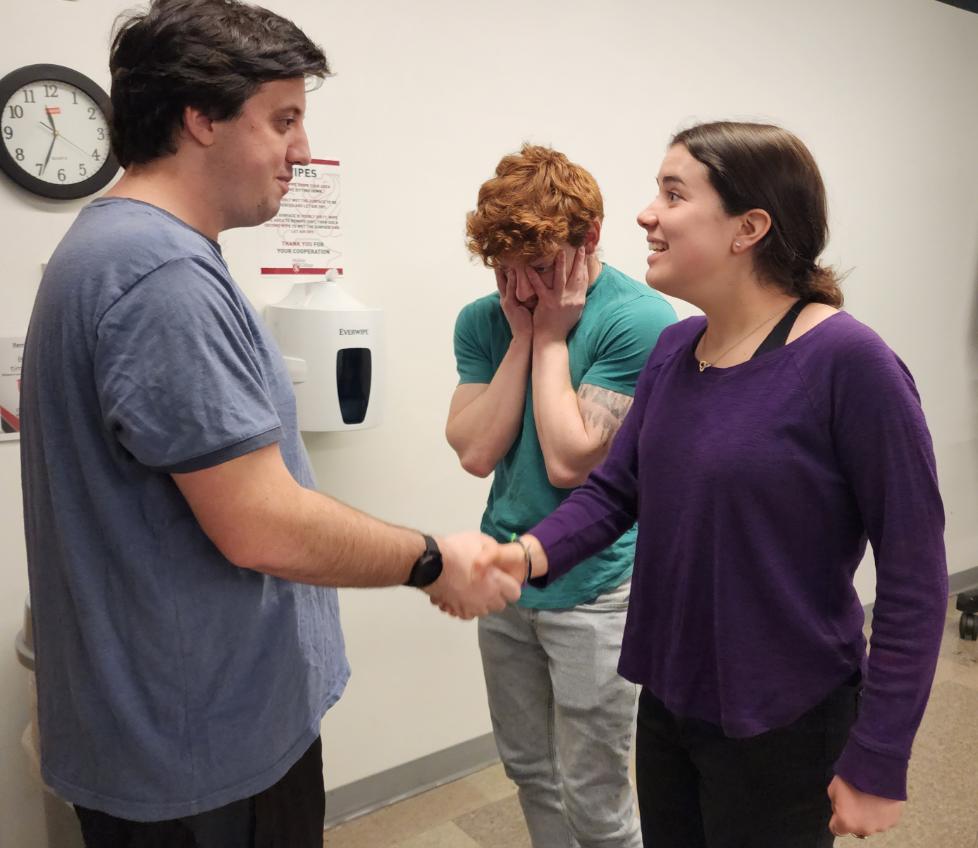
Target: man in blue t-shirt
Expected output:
[547,367]
[180,560]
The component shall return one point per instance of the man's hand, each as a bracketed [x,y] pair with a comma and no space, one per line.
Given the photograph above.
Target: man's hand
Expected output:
[464,589]
[559,308]
[858,812]
[511,557]
[519,317]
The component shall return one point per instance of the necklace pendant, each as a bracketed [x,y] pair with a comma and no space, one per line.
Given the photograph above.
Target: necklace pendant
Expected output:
[703,365]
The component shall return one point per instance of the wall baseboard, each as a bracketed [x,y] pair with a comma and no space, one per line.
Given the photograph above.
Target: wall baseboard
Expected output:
[412,778]
[967,5]
[967,579]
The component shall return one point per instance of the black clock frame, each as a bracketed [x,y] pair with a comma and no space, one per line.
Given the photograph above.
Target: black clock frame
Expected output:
[35,73]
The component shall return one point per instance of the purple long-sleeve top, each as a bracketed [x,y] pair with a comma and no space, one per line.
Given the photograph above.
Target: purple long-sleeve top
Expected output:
[755,488]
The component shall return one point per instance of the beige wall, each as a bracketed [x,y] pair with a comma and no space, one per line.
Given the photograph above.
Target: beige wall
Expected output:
[426,97]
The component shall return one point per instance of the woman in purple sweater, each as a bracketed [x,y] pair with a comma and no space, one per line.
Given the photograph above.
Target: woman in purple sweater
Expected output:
[767,442]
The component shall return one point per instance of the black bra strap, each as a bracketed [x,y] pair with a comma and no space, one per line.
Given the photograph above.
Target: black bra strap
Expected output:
[779,335]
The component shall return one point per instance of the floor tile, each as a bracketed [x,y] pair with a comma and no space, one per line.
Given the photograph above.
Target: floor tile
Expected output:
[444,836]
[406,819]
[498,825]
[962,652]
[491,783]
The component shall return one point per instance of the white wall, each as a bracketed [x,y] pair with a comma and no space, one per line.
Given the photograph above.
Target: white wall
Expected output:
[426,98]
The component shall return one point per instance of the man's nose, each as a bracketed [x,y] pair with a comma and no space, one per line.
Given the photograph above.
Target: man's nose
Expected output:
[299,149]
[524,291]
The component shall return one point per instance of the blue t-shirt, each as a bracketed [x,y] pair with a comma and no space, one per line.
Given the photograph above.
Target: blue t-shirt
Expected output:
[169,680]
[607,348]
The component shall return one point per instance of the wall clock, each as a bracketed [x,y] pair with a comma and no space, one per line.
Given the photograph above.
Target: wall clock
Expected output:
[54,131]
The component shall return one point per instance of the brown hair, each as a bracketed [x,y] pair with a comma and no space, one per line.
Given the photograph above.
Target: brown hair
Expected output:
[537,200]
[760,166]
[209,54]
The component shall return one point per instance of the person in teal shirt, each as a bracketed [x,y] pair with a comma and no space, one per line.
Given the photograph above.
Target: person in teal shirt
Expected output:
[547,367]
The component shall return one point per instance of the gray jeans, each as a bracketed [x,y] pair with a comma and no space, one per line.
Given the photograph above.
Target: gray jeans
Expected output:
[563,719]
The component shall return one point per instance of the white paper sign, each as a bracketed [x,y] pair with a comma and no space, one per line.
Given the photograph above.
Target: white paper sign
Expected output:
[11,359]
[305,236]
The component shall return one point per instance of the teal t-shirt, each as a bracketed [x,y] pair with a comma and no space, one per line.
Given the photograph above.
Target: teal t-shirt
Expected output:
[620,324]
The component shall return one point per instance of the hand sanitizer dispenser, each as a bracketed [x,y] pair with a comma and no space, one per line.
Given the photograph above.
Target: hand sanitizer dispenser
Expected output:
[332,346]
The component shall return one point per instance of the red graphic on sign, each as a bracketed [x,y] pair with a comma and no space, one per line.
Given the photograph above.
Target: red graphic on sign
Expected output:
[295,269]
[9,423]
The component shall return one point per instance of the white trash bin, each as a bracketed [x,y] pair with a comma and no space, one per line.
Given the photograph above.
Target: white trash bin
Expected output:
[60,820]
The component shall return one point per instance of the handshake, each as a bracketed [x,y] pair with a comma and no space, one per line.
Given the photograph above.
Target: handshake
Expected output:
[480,576]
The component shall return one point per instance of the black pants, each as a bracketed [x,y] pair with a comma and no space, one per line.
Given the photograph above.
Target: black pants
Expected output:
[289,814]
[700,789]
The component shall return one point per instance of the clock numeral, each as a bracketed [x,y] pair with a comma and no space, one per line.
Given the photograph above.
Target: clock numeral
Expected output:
[62,176]
[19,154]
[74,98]
[29,96]
[82,170]
[40,168]
[50,90]
[8,133]
[91,113]
[16,111]
[96,155]
[100,133]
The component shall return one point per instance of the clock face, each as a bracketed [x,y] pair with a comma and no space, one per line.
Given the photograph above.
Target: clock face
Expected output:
[54,133]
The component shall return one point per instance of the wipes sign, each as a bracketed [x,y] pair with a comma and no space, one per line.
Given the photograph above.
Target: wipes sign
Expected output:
[305,236]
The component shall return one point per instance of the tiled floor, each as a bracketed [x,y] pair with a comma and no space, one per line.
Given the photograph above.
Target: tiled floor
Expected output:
[481,811]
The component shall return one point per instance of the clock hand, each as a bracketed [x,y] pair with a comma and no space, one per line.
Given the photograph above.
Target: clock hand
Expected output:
[51,120]
[63,138]
[47,158]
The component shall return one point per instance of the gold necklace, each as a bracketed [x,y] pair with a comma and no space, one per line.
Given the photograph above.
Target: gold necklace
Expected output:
[704,364]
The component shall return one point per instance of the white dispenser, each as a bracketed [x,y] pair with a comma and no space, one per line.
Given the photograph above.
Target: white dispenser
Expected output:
[333,348]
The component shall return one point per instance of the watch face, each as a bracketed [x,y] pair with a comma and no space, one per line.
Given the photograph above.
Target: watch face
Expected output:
[54,132]
[428,570]
[428,567]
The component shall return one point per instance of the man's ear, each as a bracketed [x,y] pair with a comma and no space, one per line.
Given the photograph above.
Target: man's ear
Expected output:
[754,225]
[592,237]
[198,126]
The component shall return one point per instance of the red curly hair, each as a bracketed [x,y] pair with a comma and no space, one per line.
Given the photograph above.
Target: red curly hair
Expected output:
[538,200]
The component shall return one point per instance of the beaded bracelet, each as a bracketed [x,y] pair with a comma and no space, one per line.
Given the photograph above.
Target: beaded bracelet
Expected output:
[526,555]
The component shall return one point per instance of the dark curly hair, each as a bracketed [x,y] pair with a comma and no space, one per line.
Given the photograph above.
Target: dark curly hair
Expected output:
[209,54]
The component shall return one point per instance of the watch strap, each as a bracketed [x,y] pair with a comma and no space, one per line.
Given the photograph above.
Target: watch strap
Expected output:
[427,567]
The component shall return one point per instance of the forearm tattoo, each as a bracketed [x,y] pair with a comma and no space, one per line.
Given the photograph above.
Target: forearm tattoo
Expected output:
[602,410]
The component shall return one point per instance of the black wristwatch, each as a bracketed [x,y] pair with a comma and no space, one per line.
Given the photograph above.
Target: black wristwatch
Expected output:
[427,568]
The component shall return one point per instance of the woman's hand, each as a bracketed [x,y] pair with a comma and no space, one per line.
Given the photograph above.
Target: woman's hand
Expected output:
[860,813]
